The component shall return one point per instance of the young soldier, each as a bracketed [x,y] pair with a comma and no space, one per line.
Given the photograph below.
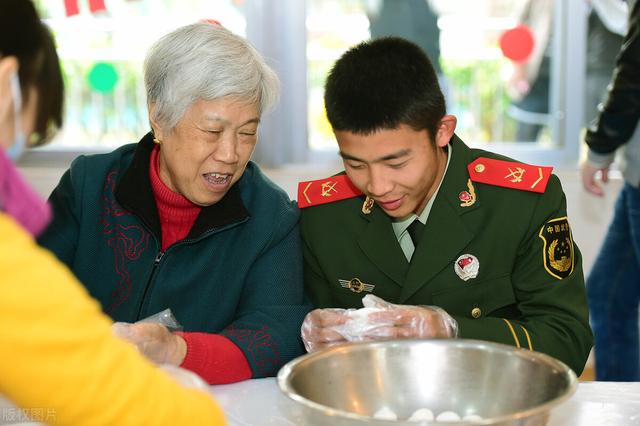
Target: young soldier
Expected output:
[420,219]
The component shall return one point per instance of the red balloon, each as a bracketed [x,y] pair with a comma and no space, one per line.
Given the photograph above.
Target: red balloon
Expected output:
[517,43]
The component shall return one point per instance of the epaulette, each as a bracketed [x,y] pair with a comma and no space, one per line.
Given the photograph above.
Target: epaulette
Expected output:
[328,190]
[510,174]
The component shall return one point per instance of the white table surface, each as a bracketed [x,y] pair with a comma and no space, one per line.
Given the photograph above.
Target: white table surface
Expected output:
[259,402]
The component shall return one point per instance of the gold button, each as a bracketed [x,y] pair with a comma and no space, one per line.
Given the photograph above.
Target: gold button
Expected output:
[476,312]
[479,168]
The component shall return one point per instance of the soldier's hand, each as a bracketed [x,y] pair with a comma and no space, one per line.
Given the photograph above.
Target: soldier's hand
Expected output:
[589,172]
[318,328]
[388,320]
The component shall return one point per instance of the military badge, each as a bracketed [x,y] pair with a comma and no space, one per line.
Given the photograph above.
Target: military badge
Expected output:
[557,248]
[468,198]
[467,266]
[367,205]
[323,191]
[356,286]
[510,174]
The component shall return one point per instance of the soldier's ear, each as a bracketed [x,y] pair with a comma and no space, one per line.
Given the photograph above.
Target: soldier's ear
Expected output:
[446,127]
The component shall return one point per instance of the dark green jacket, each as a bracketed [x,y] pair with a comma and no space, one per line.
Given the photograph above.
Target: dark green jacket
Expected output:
[237,273]
[514,299]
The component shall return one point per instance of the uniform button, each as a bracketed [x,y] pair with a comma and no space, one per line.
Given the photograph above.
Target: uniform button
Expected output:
[476,312]
[479,168]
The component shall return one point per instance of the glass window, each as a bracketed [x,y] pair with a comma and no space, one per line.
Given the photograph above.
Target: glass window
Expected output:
[496,59]
[102,54]
[477,78]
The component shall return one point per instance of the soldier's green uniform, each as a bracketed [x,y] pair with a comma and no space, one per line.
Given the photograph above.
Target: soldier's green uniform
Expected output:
[525,293]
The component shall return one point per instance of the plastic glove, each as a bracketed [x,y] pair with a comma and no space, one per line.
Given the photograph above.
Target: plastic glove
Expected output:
[378,320]
[165,318]
[319,328]
[388,320]
[154,341]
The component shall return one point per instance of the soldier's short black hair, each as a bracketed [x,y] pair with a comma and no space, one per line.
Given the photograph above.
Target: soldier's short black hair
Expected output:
[381,84]
[23,35]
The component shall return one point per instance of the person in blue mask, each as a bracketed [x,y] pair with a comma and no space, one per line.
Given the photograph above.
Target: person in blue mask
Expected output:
[60,362]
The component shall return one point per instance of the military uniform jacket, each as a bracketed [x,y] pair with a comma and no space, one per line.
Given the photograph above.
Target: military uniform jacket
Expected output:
[529,289]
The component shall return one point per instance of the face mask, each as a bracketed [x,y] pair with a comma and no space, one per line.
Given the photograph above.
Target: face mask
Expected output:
[17,198]
[15,151]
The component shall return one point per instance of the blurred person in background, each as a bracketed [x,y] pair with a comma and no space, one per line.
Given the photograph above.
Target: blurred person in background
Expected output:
[606,27]
[530,82]
[59,360]
[184,220]
[613,286]
[414,20]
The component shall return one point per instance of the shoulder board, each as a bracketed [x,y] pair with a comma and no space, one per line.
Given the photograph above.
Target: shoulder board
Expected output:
[510,174]
[328,190]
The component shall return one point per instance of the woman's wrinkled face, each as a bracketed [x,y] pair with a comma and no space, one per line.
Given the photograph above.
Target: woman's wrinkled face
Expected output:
[208,150]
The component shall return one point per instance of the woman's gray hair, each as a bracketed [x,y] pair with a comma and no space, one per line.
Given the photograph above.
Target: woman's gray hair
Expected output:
[204,61]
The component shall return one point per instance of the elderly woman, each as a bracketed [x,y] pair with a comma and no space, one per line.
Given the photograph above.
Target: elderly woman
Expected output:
[183,220]
[60,361]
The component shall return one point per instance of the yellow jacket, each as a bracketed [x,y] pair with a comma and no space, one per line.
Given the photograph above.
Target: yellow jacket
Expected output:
[59,360]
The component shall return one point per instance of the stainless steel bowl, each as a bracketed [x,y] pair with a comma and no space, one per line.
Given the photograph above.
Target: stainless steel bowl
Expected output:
[346,385]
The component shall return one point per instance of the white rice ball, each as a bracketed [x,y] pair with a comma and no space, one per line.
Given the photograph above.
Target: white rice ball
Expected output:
[448,416]
[385,413]
[421,414]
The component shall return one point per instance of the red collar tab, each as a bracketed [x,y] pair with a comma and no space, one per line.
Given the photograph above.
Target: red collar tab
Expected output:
[328,190]
[510,174]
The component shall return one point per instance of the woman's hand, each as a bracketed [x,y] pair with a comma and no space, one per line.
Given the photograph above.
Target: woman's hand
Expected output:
[154,341]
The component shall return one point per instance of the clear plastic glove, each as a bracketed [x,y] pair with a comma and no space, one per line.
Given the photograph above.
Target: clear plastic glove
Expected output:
[407,321]
[378,320]
[165,318]
[319,328]
[154,341]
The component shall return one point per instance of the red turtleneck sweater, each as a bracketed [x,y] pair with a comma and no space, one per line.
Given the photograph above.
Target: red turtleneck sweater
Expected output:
[214,357]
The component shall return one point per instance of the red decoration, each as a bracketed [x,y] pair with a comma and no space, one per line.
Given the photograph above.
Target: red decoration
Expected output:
[71,6]
[517,43]
[97,6]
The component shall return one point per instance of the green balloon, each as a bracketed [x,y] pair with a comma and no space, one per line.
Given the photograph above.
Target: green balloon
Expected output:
[103,77]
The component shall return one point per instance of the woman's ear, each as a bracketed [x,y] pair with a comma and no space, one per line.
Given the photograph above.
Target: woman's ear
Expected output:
[8,67]
[446,128]
[155,126]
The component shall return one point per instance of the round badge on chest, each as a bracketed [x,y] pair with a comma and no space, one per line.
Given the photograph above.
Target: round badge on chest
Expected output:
[467,266]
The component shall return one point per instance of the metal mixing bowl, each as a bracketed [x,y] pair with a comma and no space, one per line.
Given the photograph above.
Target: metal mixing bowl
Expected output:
[347,384]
